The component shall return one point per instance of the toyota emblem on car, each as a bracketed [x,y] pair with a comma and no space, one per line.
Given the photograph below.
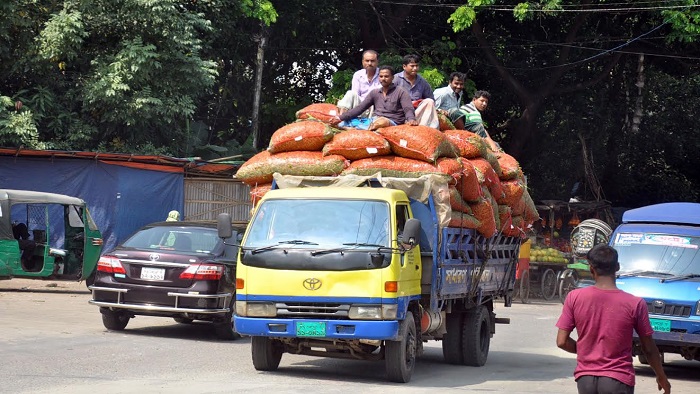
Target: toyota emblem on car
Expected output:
[658,304]
[154,256]
[312,284]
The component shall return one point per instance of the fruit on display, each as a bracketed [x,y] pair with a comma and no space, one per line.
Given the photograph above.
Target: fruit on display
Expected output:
[548,255]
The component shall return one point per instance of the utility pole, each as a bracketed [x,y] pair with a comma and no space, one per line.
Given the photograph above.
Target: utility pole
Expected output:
[259,62]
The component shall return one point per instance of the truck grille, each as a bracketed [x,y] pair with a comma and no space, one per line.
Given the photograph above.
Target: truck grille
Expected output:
[669,310]
[310,309]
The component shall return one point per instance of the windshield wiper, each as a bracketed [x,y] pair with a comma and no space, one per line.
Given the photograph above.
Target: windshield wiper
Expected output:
[679,277]
[641,273]
[290,242]
[341,250]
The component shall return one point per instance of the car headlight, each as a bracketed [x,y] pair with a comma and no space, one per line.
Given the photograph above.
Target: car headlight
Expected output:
[370,312]
[697,309]
[256,309]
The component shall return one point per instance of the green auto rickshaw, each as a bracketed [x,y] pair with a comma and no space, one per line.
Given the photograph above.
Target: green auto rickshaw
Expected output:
[46,235]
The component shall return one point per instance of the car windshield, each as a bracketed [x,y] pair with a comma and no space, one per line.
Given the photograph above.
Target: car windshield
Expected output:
[325,223]
[661,253]
[181,239]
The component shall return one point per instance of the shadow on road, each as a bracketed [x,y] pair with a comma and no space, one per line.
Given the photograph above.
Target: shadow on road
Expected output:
[195,331]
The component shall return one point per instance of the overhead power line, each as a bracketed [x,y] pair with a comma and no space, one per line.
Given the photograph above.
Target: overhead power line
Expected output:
[563,8]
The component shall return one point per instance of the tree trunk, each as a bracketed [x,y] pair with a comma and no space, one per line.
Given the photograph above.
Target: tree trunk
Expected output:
[259,62]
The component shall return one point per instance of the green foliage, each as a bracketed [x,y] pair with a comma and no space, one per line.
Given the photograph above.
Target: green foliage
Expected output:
[685,22]
[260,9]
[17,126]
[434,77]
[341,83]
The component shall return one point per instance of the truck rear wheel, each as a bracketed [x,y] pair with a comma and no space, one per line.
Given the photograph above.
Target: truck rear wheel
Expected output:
[266,352]
[476,336]
[401,355]
[452,340]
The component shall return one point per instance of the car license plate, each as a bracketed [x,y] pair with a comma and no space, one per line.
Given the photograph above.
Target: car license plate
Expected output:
[660,325]
[152,273]
[311,329]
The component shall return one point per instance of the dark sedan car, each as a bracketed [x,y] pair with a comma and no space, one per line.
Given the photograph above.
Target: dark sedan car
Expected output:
[181,270]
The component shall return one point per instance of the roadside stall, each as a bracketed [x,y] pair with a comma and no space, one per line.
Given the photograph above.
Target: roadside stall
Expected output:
[551,251]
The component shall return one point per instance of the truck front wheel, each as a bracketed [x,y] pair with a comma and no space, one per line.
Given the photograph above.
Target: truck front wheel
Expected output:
[266,352]
[401,354]
[476,336]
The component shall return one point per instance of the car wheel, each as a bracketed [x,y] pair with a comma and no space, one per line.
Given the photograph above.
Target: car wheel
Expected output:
[183,320]
[114,320]
[266,352]
[226,329]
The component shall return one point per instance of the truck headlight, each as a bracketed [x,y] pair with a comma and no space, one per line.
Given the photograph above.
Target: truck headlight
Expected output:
[373,312]
[697,309]
[256,309]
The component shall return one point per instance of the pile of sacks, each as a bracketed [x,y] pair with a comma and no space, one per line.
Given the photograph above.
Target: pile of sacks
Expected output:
[488,191]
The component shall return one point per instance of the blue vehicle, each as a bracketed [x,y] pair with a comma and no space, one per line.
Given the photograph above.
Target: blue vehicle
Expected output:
[659,254]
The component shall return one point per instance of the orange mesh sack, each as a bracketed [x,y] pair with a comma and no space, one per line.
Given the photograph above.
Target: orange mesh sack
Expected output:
[418,142]
[463,220]
[494,206]
[320,111]
[357,144]
[304,135]
[468,144]
[392,166]
[451,167]
[468,184]
[510,169]
[257,192]
[260,168]
[445,123]
[484,213]
[505,217]
[491,180]
[492,158]
[457,203]
[514,190]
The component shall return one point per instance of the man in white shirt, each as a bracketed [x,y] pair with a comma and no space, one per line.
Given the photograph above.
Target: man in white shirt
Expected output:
[449,96]
[363,82]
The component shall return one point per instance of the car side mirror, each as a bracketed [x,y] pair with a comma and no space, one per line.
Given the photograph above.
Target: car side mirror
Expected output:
[411,233]
[224,226]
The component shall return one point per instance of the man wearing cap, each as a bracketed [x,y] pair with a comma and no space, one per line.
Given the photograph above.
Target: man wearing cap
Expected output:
[604,318]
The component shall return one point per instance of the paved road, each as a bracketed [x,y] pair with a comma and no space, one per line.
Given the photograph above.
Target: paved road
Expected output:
[52,340]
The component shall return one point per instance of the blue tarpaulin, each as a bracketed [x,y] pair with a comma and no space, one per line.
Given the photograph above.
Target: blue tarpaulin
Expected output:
[120,199]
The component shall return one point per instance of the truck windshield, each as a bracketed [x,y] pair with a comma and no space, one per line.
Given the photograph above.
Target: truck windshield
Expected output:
[328,223]
[661,253]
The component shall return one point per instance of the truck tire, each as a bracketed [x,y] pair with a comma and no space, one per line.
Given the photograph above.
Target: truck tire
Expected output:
[114,320]
[476,336]
[266,352]
[549,284]
[452,340]
[401,355]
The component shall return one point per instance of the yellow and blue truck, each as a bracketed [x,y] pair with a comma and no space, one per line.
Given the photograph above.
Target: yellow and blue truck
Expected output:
[366,268]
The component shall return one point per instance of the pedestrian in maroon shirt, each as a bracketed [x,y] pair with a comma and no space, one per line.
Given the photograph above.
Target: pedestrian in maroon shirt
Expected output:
[604,318]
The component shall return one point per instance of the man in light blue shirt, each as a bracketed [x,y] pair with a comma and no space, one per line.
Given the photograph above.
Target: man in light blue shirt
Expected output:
[363,82]
[450,96]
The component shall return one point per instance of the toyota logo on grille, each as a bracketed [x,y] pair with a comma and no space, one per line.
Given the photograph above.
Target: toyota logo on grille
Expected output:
[154,257]
[658,304]
[312,284]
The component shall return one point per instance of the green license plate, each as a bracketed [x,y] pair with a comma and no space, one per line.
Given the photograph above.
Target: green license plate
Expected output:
[311,329]
[661,325]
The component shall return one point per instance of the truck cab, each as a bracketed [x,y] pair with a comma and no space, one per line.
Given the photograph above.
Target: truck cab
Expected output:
[659,257]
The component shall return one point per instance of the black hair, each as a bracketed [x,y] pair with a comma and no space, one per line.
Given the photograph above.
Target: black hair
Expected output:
[482,93]
[408,59]
[603,259]
[458,75]
[387,67]
[370,51]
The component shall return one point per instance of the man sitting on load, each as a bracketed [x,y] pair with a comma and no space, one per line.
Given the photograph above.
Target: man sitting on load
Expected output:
[392,106]
[363,82]
[420,91]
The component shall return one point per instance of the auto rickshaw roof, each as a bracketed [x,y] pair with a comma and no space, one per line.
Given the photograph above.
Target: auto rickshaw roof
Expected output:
[33,197]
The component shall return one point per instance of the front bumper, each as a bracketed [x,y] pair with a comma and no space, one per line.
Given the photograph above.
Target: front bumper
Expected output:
[214,299]
[680,339]
[335,329]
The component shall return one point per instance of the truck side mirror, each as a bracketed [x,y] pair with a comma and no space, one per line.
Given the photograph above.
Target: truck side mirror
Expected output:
[224,226]
[411,233]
